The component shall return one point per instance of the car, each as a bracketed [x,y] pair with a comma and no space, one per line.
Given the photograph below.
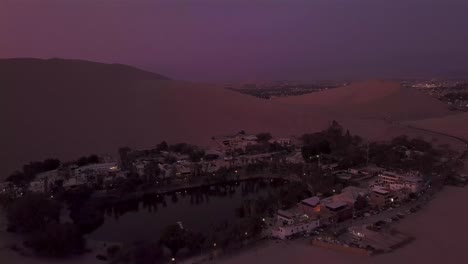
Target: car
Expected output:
[395,218]
[388,220]
[401,215]
[380,223]
[367,215]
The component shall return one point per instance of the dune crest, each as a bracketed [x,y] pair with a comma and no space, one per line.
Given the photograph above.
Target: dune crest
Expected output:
[376,99]
[69,108]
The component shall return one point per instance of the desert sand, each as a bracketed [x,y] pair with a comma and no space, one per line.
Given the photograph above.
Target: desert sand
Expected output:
[376,99]
[456,125]
[67,108]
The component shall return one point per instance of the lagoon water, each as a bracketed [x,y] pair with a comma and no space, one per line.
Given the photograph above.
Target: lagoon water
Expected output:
[198,210]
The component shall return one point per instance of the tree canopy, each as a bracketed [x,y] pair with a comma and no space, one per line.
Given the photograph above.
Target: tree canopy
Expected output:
[33,212]
[57,240]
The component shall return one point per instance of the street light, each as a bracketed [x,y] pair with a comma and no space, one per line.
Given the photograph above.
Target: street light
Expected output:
[173,259]
[214,244]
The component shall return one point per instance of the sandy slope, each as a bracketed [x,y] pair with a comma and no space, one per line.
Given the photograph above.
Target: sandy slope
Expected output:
[377,99]
[456,125]
[63,108]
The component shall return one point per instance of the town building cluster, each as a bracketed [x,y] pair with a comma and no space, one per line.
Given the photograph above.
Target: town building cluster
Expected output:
[381,189]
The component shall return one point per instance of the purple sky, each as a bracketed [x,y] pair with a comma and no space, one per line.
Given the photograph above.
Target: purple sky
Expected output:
[216,40]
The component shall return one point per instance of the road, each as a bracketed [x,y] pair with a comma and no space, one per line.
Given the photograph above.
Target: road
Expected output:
[382,216]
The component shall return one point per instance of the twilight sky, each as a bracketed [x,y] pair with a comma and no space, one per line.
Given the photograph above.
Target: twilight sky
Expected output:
[218,40]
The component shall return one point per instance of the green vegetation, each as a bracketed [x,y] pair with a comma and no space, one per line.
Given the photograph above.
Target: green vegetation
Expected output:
[57,240]
[361,203]
[264,137]
[404,153]
[175,238]
[83,161]
[38,217]
[32,212]
[32,169]
[335,143]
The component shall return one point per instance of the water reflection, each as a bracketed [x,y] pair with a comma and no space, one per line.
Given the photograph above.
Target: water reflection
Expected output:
[199,209]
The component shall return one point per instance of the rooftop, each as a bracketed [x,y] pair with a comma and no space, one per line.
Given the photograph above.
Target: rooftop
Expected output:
[285,214]
[336,205]
[312,201]
[380,190]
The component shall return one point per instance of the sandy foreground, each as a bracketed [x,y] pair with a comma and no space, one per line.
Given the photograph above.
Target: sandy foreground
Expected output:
[440,230]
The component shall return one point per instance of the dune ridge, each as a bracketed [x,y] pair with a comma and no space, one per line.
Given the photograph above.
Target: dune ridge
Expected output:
[68,108]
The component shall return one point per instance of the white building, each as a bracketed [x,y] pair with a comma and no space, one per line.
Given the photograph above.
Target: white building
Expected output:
[412,181]
[51,175]
[4,186]
[73,182]
[238,141]
[281,141]
[98,168]
[37,186]
[285,217]
[283,232]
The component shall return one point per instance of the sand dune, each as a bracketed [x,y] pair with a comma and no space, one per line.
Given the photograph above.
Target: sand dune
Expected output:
[67,108]
[58,108]
[376,99]
[456,125]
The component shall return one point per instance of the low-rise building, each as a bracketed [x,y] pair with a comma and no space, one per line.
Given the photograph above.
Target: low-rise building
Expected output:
[74,182]
[6,187]
[381,197]
[336,211]
[238,141]
[303,227]
[293,221]
[310,206]
[37,186]
[285,217]
[281,141]
[96,169]
[394,181]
